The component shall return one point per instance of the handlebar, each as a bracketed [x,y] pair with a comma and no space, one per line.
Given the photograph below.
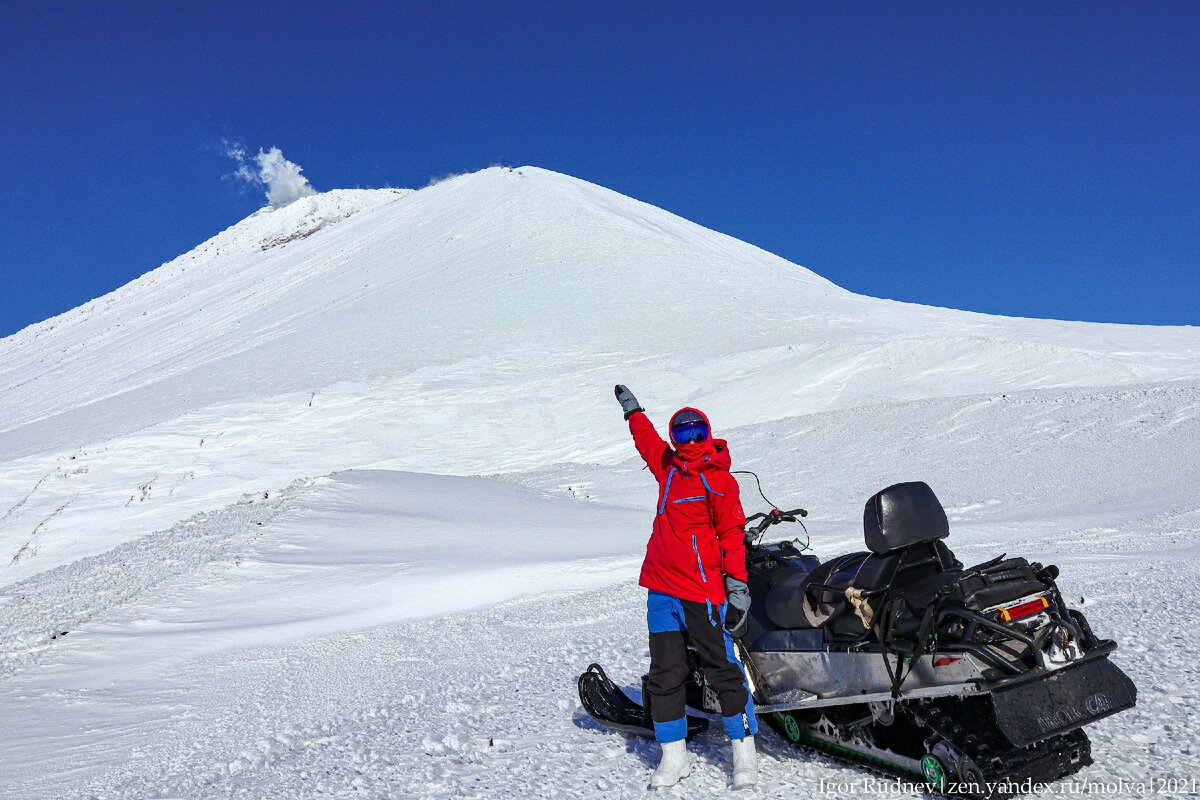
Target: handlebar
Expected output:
[774,517]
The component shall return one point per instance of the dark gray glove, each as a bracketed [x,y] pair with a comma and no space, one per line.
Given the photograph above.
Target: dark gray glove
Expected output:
[737,616]
[629,403]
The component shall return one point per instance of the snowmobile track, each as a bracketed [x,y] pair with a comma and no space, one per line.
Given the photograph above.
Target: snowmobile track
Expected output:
[1002,768]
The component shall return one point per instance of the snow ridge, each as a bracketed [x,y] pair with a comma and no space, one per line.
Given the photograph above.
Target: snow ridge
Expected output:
[42,610]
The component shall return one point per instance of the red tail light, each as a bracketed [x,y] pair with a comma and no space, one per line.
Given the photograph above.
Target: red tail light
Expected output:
[1022,609]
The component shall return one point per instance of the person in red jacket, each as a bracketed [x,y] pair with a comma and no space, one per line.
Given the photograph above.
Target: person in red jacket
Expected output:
[695,569]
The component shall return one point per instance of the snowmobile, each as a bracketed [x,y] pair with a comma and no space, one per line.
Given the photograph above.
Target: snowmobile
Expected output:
[972,680]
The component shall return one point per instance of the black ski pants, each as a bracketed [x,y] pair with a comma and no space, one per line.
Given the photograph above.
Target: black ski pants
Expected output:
[673,624]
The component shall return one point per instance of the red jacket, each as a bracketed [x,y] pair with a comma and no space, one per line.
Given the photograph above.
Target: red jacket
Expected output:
[699,524]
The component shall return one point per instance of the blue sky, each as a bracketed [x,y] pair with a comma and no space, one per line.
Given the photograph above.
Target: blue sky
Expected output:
[1035,159]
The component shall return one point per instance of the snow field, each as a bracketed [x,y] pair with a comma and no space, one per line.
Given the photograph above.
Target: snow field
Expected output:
[482,705]
[277,665]
[339,503]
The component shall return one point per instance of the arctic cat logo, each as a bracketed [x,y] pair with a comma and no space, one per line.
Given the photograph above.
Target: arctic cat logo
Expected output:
[1062,716]
[1065,715]
[1098,703]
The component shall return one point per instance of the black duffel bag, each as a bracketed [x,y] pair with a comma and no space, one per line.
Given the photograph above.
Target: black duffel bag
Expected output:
[997,581]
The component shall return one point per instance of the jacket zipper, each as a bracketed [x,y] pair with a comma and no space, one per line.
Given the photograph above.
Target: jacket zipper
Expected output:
[666,491]
[699,561]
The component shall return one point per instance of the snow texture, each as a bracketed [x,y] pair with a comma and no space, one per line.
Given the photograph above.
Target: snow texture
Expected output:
[339,503]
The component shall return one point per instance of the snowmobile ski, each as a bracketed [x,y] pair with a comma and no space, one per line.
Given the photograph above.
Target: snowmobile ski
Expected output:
[608,705]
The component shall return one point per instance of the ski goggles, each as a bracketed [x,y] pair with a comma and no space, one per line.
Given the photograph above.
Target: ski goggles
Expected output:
[687,431]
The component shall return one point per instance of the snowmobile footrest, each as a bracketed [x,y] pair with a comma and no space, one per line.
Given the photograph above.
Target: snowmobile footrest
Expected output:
[608,705]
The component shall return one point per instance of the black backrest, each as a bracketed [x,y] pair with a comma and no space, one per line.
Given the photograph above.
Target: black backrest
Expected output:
[903,515]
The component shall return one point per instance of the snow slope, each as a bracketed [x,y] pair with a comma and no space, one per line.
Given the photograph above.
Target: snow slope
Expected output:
[472,327]
[251,531]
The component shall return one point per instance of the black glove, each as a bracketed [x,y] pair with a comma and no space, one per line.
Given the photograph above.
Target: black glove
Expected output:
[629,403]
[737,616]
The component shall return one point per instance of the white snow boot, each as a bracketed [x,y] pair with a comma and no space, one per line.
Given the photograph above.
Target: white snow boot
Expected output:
[675,765]
[745,763]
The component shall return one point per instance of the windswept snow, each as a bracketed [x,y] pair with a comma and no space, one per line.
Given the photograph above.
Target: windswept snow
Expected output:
[339,502]
[346,553]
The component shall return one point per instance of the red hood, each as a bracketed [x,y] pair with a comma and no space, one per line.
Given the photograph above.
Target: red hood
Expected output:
[709,454]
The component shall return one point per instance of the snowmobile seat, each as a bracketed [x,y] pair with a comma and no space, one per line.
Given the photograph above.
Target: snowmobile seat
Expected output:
[905,567]
[793,600]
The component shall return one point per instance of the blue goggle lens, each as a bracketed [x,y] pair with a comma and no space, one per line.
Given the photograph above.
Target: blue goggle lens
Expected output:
[688,432]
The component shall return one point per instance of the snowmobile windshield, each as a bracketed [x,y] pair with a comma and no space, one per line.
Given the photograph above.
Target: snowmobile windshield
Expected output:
[689,427]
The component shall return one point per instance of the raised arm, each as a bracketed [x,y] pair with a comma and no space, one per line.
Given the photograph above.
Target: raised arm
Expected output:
[649,444]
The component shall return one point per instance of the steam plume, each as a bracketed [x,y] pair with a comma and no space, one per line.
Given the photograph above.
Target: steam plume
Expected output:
[279,177]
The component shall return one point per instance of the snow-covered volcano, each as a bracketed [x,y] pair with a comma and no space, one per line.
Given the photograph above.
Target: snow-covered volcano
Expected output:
[475,328]
[472,327]
[508,275]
